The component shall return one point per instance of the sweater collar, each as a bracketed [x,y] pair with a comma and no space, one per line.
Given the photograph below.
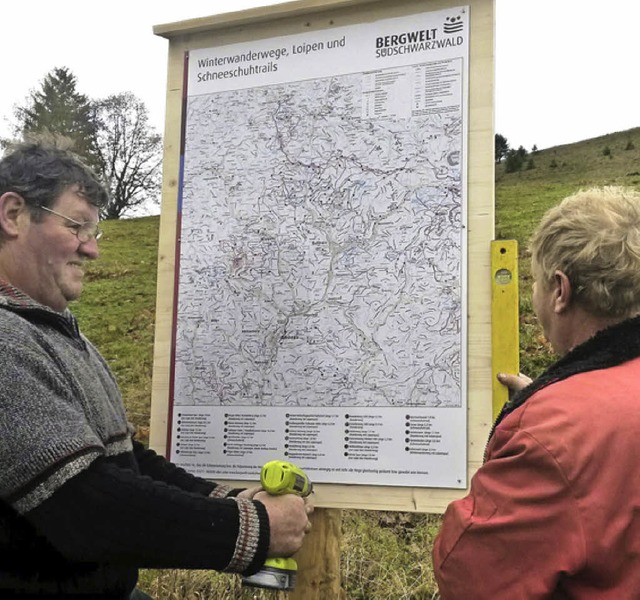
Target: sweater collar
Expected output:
[17,301]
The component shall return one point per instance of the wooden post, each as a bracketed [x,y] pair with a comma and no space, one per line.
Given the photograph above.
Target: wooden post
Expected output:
[319,559]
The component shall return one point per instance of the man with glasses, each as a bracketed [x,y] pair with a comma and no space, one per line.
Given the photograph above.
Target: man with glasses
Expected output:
[82,504]
[84,231]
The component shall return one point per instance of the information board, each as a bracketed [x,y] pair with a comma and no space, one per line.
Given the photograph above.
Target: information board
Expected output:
[324,273]
[321,289]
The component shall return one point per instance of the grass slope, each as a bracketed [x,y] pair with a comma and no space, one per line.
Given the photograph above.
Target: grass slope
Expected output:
[117,309]
[384,555]
[523,197]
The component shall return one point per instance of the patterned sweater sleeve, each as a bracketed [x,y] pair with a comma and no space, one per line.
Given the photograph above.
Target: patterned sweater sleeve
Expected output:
[110,515]
[160,469]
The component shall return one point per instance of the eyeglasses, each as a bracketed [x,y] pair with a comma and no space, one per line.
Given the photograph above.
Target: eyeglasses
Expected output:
[85,232]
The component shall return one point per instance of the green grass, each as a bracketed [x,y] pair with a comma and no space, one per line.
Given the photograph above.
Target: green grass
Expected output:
[384,555]
[523,197]
[117,309]
[388,555]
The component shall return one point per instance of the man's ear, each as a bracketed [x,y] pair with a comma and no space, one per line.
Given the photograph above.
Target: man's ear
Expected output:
[12,206]
[562,292]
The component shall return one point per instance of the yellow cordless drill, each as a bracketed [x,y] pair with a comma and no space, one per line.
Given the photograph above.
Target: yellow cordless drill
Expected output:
[279,477]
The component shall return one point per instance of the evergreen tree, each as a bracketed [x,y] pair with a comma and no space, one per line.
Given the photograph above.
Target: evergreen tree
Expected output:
[113,136]
[514,161]
[501,147]
[56,109]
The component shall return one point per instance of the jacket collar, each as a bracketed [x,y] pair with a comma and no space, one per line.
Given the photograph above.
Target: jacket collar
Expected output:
[607,348]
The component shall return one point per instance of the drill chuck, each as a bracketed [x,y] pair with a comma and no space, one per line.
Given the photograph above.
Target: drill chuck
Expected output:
[276,574]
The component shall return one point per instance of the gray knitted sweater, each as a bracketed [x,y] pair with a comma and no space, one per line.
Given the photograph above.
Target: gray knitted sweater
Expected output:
[61,407]
[82,505]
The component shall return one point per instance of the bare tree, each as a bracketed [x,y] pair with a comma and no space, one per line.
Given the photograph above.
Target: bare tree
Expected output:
[113,136]
[129,152]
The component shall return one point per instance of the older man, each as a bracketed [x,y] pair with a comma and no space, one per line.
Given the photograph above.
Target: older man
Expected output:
[83,505]
[554,512]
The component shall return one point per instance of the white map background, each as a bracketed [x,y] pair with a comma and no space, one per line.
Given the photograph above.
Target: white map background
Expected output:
[320,252]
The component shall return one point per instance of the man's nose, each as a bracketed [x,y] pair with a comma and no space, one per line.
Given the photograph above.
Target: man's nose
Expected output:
[90,249]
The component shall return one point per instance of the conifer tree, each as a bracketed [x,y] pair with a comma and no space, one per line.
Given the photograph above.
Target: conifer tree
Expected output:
[112,135]
[58,109]
[501,147]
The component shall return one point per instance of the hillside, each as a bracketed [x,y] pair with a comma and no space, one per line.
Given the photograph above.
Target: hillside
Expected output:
[117,309]
[384,554]
[523,197]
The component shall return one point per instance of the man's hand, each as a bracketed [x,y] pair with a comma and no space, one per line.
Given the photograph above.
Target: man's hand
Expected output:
[249,493]
[288,521]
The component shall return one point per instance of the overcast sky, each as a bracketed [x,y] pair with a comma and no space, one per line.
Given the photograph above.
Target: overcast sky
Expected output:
[566,70]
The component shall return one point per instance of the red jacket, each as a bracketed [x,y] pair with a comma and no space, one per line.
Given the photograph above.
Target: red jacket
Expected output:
[555,510]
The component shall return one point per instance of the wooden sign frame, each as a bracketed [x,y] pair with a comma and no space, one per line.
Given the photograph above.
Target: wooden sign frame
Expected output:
[308,15]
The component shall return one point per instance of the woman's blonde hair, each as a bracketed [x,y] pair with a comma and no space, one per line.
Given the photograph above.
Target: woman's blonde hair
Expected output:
[593,237]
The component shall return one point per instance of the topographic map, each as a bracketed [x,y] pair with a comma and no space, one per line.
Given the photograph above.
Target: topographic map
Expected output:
[321,251]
